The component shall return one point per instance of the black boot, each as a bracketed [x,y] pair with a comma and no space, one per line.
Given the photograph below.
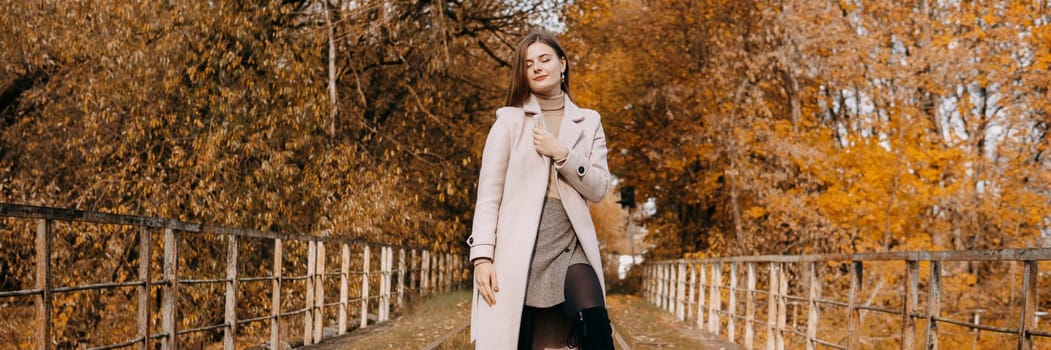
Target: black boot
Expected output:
[591,329]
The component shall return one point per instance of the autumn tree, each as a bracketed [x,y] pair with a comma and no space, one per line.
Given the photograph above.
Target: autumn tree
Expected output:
[778,127]
[360,119]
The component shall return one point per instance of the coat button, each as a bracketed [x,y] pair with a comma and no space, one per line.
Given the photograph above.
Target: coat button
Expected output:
[580,170]
[470,240]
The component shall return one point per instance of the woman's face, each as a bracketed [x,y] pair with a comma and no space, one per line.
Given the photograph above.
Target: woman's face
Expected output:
[543,69]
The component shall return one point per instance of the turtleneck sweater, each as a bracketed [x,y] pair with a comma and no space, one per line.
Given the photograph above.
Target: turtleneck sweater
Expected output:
[553,109]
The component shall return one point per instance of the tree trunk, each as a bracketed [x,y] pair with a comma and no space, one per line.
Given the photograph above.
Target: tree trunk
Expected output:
[332,93]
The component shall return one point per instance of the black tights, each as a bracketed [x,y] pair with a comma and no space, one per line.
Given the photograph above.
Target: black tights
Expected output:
[582,291]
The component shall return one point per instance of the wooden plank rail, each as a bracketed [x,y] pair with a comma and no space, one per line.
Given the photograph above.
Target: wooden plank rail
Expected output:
[419,272]
[771,281]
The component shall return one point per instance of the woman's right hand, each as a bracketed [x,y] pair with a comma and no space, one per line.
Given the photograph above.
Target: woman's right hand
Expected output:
[485,279]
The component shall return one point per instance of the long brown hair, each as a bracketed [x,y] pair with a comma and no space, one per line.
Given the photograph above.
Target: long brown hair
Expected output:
[518,88]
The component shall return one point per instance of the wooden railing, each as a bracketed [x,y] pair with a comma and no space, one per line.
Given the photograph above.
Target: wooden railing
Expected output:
[819,301]
[426,271]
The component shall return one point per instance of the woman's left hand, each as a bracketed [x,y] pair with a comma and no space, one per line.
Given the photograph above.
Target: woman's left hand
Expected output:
[547,145]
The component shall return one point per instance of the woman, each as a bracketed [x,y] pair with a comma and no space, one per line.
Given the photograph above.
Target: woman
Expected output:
[538,272]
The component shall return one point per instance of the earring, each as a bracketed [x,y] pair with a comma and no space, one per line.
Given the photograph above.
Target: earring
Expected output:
[562,76]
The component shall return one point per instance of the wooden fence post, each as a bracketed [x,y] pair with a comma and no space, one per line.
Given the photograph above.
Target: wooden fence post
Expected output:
[977,332]
[731,324]
[414,270]
[43,283]
[1029,304]
[319,293]
[432,270]
[680,292]
[658,286]
[659,270]
[908,306]
[144,289]
[692,298]
[344,286]
[853,313]
[308,313]
[934,299]
[401,277]
[168,311]
[647,283]
[381,305]
[365,288]
[230,332]
[654,285]
[424,265]
[702,291]
[461,266]
[771,307]
[812,308]
[439,278]
[445,272]
[385,284]
[749,308]
[669,289]
[782,310]
[715,303]
[275,298]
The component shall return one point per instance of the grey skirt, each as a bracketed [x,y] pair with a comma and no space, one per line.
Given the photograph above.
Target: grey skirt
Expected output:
[555,251]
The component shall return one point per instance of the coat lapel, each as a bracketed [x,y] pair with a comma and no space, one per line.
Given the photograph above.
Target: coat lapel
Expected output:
[531,106]
[570,129]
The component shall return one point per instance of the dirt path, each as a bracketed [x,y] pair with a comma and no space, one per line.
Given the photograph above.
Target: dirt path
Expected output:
[644,326]
[639,326]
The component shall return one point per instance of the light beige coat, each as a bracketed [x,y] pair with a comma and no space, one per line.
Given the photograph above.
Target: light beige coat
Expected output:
[511,188]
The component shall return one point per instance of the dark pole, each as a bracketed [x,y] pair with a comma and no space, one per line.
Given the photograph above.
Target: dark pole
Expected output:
[627,201]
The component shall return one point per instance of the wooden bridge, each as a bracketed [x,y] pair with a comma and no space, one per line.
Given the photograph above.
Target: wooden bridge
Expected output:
[370,278]
[838,301]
